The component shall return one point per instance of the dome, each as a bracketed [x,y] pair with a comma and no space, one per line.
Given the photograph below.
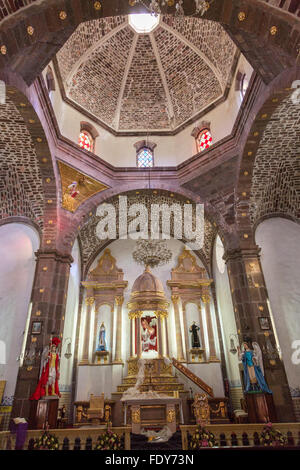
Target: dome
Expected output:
[159,80]
[147,294]
[147,282]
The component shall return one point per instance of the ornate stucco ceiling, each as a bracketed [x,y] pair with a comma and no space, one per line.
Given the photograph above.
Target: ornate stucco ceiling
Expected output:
[158,81]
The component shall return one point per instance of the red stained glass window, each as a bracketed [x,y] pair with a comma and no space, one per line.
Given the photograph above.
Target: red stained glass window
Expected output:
[85,141]
[204,140]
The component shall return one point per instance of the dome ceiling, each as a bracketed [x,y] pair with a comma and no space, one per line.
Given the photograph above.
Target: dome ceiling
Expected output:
[156,82]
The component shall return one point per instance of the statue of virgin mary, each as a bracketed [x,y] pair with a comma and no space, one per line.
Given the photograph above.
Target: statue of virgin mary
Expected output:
[101,339]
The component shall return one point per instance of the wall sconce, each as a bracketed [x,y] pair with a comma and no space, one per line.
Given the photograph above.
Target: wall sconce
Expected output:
[233,348]
[68,353]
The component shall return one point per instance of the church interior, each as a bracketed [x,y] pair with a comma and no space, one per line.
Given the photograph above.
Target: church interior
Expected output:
[149,223]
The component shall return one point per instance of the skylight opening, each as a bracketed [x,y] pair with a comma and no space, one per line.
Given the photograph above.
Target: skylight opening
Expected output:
[144,22]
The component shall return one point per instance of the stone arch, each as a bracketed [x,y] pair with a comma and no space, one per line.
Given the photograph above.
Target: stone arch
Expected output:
[91,245]
[277,107]
[267,35]
[27,165]
[75,221]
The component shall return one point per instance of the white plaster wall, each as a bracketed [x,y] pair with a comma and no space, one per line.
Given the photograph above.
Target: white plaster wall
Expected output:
[279,240]
[98,380]
[226,313]
[119,151]
[18,243]
[70,326]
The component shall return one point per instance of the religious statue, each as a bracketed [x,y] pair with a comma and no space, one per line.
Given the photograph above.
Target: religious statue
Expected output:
[195,335]
[49,373]
[251,358]
[148,334]
[101,339]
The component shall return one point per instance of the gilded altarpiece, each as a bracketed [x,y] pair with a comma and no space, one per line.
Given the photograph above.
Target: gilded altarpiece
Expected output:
[104,286]
[189,285]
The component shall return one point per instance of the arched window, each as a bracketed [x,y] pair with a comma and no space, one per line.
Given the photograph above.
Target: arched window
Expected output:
[203,140]
[50,79]
[87,136]
[86,141]
[242,83]
[145,158]
[144,154]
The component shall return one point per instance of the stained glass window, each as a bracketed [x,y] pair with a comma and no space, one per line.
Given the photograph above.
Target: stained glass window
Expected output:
[85,141]
[244,85]
[145,158]
[204,140]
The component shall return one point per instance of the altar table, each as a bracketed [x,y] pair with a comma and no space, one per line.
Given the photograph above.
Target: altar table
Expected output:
[153,411]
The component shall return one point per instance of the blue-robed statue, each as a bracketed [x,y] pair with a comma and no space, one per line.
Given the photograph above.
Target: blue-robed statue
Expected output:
[253,368]
[101,339]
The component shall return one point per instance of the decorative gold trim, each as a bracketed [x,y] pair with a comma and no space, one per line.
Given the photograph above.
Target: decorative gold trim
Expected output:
[119,299]
[205,298]
[136,416]
[89,300]
[171,415]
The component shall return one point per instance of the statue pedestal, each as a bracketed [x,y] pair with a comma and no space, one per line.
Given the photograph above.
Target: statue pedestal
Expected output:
[102,357]
[196,354]
[261,408]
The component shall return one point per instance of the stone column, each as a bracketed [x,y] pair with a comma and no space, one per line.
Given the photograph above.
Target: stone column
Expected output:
[210,332]
[118,353]
[167,337]
[48,298]
[89,301]
[159,328]
[138,336]
[175,300]
[249,296]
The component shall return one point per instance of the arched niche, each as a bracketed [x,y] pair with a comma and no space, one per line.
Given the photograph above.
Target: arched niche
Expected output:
[280,258]
[18,244]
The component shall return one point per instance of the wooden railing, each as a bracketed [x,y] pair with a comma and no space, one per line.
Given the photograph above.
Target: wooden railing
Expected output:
[69,439]
[193,377]
[242,435]
[227,435]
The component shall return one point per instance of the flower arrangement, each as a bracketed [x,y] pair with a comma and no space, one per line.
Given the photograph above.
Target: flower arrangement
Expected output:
[202,438]
[46,442]
[271,436]
[108,441]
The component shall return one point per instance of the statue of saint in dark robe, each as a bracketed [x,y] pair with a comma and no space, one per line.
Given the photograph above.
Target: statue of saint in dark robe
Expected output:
[195,335]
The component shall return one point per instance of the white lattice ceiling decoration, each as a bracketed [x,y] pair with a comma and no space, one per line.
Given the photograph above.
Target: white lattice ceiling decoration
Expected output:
[156,81]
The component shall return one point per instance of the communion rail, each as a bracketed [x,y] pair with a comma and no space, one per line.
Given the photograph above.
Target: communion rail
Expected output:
[242,435]
[227,436]
[69,439]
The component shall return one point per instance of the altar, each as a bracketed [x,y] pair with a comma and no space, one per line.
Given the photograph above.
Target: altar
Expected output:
[164,411]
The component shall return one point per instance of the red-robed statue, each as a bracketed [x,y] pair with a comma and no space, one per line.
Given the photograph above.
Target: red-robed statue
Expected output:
[49,374]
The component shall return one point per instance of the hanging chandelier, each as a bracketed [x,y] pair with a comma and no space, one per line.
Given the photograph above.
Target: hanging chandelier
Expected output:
[152,253]
[156,7]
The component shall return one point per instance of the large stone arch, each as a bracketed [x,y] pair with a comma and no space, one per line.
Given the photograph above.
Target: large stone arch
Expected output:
[91,245]
[28,187]
[268,169]
[266,34]
[73,222]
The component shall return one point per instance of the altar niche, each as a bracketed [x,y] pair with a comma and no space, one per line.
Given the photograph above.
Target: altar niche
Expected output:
[148,310]
[149,335]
